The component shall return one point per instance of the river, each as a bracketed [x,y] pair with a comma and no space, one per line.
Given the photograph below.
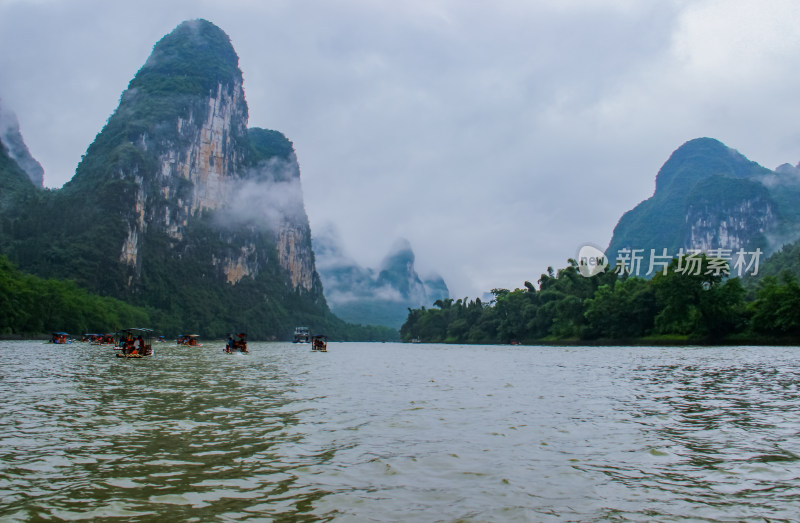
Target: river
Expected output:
[400,432]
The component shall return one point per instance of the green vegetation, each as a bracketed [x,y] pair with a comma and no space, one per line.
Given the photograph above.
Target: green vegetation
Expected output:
[31,305]
[681,306]
[14,183]
[193,59]
[266,144]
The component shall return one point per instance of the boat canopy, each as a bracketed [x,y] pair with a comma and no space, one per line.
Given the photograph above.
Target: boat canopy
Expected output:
[137,331]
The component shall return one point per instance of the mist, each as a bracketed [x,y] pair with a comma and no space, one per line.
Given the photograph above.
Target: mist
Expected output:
[265,198]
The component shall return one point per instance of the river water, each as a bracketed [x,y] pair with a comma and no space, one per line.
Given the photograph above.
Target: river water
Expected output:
[393,432]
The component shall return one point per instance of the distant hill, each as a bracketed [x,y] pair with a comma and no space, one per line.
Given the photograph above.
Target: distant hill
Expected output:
[710,197]
[15,149]
[373,297]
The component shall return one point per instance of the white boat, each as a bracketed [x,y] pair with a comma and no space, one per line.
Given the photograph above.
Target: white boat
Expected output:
[302,335]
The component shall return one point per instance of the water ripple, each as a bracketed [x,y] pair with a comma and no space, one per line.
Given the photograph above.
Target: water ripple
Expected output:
[389,432]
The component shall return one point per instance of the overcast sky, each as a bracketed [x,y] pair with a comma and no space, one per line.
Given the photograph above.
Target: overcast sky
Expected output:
[497,137]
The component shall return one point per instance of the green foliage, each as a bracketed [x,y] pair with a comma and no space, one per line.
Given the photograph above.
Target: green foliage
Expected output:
[696,301]
[266,144]
[14,183]
[693,302]
[776,309]
[785,260]
[193,58]
[622,310]
[31,305]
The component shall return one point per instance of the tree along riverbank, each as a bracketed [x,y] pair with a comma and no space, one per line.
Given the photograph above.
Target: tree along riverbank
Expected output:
[676,307]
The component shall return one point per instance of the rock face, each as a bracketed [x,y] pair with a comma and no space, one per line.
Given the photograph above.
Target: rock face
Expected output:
[203,154]
[178,205]
[203,165]
[736,225]
[375,297]
[709,197]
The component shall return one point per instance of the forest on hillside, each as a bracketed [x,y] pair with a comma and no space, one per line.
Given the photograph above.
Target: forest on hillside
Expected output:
[31,306]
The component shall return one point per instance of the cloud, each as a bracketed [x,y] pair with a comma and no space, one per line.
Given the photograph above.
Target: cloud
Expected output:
[266,198]
[384,293]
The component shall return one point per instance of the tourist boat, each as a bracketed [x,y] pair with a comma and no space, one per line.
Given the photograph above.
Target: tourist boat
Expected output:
[91,337]
[301,335]
[60,338]
[190,340]
[104,339]
[135,342]
[319,343]
[237,345]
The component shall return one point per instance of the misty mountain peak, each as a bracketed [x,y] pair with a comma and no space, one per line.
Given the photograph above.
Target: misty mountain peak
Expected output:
[788,169]
[359,295]
[11,138]
[700,158]
[197,52]
[400,256]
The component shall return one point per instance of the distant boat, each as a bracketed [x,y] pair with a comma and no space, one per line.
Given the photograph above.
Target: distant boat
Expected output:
[302,335]
[238,345]
[60,338]
[189,340]
[319,343]
[135,342]
[104,339]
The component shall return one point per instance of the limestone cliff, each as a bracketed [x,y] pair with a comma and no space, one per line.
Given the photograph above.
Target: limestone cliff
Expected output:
[196,160]
[741,224]
[177,205]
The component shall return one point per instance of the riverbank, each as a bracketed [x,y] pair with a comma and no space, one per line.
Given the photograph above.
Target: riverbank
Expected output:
[649,341]
[23,337]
